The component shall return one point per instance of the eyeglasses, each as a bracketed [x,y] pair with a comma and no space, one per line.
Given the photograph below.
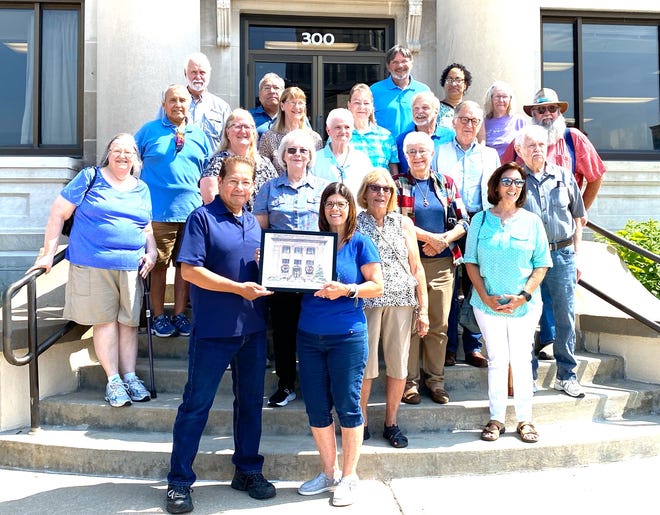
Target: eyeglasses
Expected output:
[542,109]
[241,126]
[297,150]
[118,153]
[508,181]
[377,188]
[466,121]
[455,81]
[271,87]
[414,152]
[501,97]
[297,103]
[341,204]
[179,140]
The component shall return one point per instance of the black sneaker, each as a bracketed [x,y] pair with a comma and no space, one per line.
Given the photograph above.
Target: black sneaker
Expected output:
[178,499]
[255,485]
[281,397]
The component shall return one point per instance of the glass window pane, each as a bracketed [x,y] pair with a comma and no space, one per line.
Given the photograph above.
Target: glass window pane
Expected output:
[16,30]
[620,85]
[59,78]
[558,65]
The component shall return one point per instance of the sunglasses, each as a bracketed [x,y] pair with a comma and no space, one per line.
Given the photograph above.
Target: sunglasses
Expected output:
[294,150]
[508,181]
[542,109]
[377,188]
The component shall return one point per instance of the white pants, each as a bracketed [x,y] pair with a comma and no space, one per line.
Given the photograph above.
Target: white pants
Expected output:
[509,340]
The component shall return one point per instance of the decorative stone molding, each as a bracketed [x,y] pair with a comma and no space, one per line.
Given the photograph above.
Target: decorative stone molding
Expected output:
[414,25]
[223,20]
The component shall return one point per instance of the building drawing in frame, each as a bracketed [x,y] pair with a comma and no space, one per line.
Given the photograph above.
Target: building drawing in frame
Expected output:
[297,260]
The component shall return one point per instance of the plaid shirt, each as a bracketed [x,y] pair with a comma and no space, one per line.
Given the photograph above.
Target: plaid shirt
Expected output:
[446,192]
[378,143]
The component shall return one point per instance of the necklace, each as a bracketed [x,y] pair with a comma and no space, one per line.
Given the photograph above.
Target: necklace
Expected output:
[424,195]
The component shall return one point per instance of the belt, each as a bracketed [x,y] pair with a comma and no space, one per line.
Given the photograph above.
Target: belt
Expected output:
[561,244]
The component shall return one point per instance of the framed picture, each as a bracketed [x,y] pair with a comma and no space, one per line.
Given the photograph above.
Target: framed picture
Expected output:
[298,261]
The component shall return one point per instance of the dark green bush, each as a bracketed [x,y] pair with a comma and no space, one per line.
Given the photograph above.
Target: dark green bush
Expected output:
[646,235]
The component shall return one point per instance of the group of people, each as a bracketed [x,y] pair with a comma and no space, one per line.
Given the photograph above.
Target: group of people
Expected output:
[424,213]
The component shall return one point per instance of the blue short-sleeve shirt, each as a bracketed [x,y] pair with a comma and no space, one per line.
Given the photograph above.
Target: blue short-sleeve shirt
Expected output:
[393,105]
[507,255]
[225,244]
[342,315]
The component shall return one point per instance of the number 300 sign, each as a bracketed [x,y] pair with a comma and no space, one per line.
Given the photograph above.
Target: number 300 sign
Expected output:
[316,38]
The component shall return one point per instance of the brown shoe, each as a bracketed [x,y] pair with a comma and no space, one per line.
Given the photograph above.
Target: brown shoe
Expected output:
[476,359]
[440,396]
[450,359]
[411,395]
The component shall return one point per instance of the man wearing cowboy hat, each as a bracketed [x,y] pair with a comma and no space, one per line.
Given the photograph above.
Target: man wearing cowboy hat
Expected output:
[576,154]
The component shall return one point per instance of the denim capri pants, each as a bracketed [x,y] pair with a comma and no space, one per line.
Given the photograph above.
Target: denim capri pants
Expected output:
[331,368]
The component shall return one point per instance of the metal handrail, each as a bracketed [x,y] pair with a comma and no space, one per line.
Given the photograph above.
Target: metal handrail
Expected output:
[34,349]
[623,242]
[635,248]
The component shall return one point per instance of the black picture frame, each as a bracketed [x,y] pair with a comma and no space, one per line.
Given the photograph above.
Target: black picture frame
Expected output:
[297,261]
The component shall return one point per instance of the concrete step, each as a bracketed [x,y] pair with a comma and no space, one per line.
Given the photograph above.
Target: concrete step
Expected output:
[171,374]
[84,450]
[468,410]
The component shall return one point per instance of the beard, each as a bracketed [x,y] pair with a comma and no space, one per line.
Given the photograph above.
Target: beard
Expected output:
[556,128]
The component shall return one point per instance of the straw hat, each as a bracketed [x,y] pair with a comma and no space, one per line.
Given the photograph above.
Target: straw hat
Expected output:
[545,96]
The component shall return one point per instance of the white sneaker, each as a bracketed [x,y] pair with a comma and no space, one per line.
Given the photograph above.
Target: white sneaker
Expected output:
[345,491]
[570,387]
[319,484]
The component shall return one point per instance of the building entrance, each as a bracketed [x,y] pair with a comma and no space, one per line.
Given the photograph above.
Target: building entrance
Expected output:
[324,58]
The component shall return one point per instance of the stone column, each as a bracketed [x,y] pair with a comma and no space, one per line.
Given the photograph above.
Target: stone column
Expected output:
[495,40]
[141,47]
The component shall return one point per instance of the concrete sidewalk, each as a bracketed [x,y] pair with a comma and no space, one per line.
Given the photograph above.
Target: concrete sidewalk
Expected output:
[623,487]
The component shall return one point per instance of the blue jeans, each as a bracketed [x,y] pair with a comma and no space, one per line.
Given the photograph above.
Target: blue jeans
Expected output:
[470,340]
[207,362]
[331,368]
[547,332]
[559,288]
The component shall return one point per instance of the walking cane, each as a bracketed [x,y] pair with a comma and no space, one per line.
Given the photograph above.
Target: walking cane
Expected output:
[147,308]
[510,382]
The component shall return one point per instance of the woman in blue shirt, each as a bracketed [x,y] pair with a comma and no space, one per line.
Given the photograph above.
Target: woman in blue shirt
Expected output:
[110,244]
[289,202]
[333,346]
[506,256]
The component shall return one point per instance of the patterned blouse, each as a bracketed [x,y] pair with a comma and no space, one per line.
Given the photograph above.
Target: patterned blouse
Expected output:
[399,285]
[265,172]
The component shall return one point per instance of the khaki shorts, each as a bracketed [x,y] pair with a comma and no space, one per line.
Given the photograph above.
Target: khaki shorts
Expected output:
[168,241]
[393,326]
[100,296]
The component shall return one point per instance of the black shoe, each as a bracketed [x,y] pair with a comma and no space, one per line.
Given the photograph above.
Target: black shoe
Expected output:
[255,485]
[281,397]
[365,433]
[178,499]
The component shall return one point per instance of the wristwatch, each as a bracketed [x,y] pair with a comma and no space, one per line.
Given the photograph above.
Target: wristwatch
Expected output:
[527,296]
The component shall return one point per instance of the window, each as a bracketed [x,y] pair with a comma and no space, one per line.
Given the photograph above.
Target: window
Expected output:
[608,72]
[39,57]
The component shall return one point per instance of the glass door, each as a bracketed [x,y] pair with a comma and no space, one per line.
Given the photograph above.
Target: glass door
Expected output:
[323,57]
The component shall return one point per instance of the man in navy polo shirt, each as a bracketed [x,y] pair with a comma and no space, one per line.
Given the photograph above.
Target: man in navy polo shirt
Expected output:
[217,257]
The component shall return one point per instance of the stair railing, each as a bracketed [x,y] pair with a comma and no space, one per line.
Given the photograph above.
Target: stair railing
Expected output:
[34,348]
[635,248]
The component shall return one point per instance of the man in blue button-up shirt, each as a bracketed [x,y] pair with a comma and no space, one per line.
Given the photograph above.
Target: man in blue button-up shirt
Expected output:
[553,194]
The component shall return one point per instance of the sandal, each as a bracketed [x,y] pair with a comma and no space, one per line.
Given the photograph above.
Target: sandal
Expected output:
[527,432]
[492,431]
[395,436]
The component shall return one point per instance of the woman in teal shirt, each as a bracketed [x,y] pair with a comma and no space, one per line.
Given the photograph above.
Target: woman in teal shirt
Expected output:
[506,256]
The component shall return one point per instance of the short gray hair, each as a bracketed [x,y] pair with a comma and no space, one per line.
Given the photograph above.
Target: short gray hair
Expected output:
[468,103]
[418,138]
[339,113]
[536,132]
[306,141]
[272,77]
[199,58]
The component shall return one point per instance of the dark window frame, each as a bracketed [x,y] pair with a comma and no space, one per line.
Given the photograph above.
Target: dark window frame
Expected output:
[37,148]
[576,19]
